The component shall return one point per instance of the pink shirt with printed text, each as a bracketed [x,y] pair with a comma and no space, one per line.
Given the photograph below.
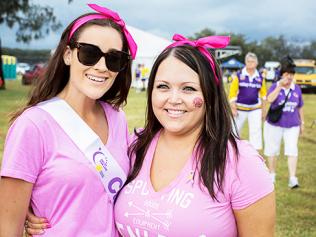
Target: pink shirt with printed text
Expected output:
[67,189]
[182,208]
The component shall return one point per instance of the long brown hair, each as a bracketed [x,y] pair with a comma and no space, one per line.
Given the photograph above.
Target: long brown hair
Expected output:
[56,75]
[217,130]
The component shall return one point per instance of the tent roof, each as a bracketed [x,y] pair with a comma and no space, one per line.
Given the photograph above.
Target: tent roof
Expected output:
[232,63]
[149,45]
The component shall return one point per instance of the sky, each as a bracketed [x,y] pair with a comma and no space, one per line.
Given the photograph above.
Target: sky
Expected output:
[255,19]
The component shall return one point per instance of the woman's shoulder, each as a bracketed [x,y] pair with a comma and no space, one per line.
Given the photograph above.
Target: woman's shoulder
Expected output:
[245,152]
[247,177]
[31,123]
[34,115]
[116,117]
[297,88]
[110,110]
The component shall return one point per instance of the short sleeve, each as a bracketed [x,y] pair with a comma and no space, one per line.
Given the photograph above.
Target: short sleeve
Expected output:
[250,178]
[23,151]
[300,102]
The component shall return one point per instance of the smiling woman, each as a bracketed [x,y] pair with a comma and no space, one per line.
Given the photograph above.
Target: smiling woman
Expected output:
[198,177]
[173,97]
[65,152]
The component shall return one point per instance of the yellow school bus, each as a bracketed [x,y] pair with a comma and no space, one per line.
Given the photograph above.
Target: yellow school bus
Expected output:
[305,74]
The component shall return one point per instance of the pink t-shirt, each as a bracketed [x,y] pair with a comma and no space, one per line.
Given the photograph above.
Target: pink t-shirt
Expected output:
[67,190]
[182,208]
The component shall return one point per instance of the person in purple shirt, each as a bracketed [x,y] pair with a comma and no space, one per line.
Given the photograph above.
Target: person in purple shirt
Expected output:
[247,95]
[289,126]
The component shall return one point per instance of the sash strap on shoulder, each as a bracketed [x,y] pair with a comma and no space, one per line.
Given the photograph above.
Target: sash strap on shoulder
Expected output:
[110,172]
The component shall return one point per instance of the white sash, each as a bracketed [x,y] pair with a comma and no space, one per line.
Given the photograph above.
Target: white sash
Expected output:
[110,172]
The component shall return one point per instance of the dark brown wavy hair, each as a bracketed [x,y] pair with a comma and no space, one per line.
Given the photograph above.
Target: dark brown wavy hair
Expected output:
[217,129]
[56,75]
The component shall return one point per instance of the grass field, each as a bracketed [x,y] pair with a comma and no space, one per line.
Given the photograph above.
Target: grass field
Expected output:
[296,209]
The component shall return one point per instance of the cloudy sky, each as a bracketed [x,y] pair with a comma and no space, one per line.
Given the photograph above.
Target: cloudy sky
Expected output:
[255,19]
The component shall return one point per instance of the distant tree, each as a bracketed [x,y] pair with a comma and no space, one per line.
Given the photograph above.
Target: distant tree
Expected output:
[309,51]
[30,56]
[240,40]
[269,49]
[278,47]
[203,33]
[34,21]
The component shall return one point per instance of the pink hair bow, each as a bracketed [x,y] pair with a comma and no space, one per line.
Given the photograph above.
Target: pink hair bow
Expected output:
[214,42]
[104,13]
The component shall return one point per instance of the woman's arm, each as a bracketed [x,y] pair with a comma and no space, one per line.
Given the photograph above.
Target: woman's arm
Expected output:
[274,94]
[15,197]
[301,113]
[257,219]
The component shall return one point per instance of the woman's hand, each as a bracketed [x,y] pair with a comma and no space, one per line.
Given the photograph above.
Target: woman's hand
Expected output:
[302,129]
[35,225]
[283,81]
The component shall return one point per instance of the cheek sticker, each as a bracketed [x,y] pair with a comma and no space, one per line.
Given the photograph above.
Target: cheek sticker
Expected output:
[197,102]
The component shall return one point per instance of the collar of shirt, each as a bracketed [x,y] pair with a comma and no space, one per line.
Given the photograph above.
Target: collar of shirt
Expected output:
[244,72]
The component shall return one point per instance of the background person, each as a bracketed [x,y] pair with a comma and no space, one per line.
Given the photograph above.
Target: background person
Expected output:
[247,95]
[43,165]
[290,125]
[144,76]
[138,75]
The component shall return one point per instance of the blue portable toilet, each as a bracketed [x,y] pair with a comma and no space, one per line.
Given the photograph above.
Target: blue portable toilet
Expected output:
[9,67]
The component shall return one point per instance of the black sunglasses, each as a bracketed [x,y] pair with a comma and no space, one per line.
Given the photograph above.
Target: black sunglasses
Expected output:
[89,55]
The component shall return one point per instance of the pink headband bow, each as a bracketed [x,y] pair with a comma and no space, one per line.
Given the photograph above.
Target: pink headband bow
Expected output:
[104,13]
[201,44]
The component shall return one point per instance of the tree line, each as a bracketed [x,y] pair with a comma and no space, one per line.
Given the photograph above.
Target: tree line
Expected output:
[269,49]
[30,56]
[34,21]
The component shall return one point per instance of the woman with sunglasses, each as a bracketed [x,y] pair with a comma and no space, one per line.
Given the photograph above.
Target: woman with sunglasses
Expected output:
[65,153]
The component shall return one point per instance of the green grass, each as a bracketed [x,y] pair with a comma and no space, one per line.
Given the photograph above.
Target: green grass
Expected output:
[10,100]
[296,209]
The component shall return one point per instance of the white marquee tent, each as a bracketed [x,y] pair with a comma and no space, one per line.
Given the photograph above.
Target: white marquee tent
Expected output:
[149,46]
